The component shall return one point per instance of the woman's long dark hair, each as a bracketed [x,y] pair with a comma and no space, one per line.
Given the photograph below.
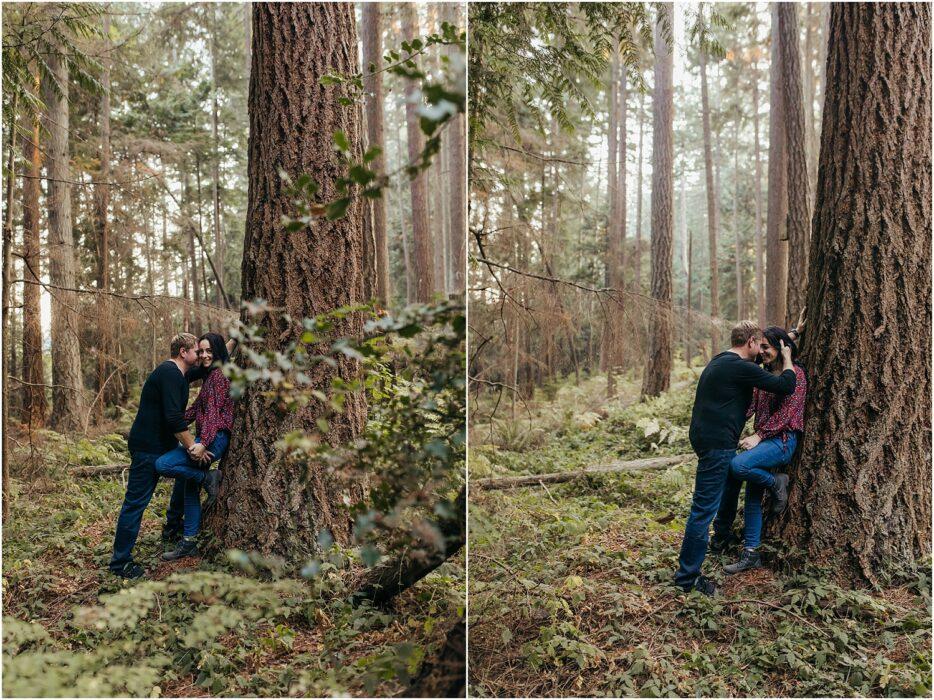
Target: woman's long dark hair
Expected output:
[218,349]
[773,334]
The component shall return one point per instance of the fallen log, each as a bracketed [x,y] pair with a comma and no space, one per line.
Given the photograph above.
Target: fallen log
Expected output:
[513,482]
[99,470]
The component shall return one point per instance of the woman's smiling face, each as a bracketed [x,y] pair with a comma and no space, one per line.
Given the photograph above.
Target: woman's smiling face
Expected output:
[207,357]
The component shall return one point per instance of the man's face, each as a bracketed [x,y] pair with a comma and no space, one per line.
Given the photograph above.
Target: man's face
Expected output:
[189,355]
[205,353]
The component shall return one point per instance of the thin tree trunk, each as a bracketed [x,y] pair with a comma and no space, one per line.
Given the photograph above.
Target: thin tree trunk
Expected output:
[66,358]
[105,357]
[657,374]
[799,217]
[5,304]
[373,85]
[689,342]
[458,181]
[776,256]
[638,255]
[757,193]
[192,257]
[713,206]
[265,503]
[609,338]
[220,244]
[418,187]
[740,300]
[35,406]
[860,493]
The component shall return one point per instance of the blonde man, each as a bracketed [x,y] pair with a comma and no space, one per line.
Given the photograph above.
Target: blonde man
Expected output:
[159,426]
[724,392]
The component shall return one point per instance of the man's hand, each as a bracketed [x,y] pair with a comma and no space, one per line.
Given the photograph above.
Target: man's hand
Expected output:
[747,443]
[197,452]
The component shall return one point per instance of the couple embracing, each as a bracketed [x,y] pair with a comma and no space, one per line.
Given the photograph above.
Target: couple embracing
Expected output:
[161,445]
[732,388]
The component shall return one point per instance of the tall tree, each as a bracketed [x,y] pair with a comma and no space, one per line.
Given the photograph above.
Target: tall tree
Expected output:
[457,233]
[738,247]
[105,358]
[610,351]
[860,492]
[713,197]
[66,359]
[796,152]
[657,374]
[373,84]
[422,263]
[35,407]
[776,249]
[266,504]
[220,241]
[757,186]
[637,262]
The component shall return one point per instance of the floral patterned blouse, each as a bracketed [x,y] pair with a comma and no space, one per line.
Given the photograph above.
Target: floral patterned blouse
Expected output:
[777,415]
[212,411]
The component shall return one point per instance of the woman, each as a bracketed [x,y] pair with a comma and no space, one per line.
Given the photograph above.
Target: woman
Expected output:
[778,427]
[212,413]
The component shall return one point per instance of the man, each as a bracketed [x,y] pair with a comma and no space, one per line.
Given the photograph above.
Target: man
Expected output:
[158,427]
[724,392]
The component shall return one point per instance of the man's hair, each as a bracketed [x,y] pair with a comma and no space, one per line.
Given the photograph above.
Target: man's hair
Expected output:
[183,341]
[743,331]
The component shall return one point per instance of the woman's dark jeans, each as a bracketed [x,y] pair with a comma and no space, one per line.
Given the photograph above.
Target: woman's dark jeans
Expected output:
[189,475]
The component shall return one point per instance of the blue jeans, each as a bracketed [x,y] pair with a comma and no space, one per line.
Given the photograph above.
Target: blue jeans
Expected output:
[752,467]
[140,485]
[713,467]
[185,505]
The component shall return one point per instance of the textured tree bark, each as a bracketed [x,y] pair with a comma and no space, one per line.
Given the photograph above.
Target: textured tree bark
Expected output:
[66,359]
[637,263]
[796,150]
[657,374]
[35,406]
[861,486]
[740,299]
[776,249]
[713,204]
[757,193]
[220,242]
[373,84]
[422,265]
[266,504]
[5,306]
[106,391]
[444,675]
[458,179]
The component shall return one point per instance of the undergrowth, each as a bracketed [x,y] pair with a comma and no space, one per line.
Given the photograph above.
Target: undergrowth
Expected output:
[195,627]
[570,591]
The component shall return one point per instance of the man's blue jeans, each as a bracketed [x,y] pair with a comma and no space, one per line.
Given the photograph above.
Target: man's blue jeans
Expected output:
[189,475]
[140,486]
[713,467]
[752,467]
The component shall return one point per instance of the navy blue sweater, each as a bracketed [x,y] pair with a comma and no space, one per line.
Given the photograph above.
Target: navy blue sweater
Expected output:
[724,393]
[161,411]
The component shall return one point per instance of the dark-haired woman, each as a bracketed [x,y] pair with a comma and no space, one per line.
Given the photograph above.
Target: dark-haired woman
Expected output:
[212,413]
[778,426]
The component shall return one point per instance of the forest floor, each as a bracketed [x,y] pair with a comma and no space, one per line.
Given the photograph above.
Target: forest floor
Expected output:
[196,627]
[570,584]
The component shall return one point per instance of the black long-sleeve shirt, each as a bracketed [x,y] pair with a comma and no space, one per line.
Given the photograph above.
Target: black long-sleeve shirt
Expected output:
[724,392]
[161,411]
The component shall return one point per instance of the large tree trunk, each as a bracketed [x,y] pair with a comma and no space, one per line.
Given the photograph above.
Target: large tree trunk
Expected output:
[66,358]
[105,357]
[796,151]
[776,249]
[757,193]
[658,367]
[266,504]
[861,488]
[373,84]
[422,265]
[457,234]
[713,205]
[35,407]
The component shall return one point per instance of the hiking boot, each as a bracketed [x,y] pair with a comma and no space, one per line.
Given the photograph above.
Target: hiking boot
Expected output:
[779,493]
[749,559]
[187,547]
[704,585]
[170,536]
[723,545]
[212,482]
[131,570]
